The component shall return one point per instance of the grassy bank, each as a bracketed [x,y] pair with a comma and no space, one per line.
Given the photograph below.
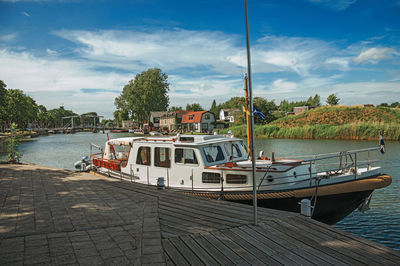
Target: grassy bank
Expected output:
[355,123]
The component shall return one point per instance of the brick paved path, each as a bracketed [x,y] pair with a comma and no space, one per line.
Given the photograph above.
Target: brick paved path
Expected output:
[51,216]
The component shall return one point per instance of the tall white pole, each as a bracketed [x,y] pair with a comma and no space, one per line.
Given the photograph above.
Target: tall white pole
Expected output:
[253,157]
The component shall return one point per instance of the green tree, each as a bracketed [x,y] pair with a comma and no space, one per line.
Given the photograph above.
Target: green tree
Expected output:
[3,105]
[174,108]
[332,100]
[214,108]
[147,92]
[20,108]
[194,107]
[314,101]
[42,116]
[55,117]
[266,107]
[120,115]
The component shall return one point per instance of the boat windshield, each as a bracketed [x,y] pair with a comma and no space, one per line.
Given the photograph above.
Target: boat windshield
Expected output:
[233,150]
[213,153]
[219,153]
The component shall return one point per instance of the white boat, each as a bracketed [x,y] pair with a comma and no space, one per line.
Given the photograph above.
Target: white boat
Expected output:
[218,166]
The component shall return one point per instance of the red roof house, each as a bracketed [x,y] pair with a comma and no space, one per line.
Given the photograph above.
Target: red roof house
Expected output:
[200,121]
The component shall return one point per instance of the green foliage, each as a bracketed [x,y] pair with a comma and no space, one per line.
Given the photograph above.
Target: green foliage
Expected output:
[146,93]
[19,108]
[266,107]
[332,100]
[174,108]
[194,107]
[55,117]
[14,156]
[120,115]
[336,122]
[214,108]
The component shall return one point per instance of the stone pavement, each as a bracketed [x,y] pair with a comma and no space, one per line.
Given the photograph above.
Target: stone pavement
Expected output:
[58,217]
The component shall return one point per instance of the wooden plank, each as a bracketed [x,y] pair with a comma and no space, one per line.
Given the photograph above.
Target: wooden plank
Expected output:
[173,229]
[184,225]
[311,240]
[236,259]
[214,252]
[188,215]
[282,251]
[199,251]
[173,253]
[246,255]
[185,251]
[296,246]
[355,252]
[385,254]
[280,257]
[206,213]
[266,259]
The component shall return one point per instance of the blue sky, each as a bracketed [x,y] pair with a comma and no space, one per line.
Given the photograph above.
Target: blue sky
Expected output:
[80,54]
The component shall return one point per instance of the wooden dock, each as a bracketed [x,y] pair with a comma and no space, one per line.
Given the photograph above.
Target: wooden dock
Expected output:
[52,216]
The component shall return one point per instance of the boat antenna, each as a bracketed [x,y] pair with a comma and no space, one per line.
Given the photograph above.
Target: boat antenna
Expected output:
[253,158]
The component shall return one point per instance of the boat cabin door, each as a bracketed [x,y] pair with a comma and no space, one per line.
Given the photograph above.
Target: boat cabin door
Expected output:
[185,168]
[143,164]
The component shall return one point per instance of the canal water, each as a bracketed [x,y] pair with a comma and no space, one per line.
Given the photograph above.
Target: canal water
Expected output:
[380,224]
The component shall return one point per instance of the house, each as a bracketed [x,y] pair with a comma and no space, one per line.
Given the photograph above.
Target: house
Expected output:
[227,115]
[200,121]
[155,118]
[172,120]
[300,109]
[127,124]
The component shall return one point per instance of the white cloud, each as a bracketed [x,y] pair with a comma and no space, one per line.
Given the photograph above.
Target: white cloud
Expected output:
[335,4]
[8,37]
[50,52]
[374,55]
[25,14]
[341,62]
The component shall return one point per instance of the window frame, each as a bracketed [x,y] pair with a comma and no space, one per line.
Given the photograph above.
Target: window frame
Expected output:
[140,158]
[158,163]
[196,161]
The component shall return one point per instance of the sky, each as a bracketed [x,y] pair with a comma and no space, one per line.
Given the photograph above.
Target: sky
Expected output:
[81,53]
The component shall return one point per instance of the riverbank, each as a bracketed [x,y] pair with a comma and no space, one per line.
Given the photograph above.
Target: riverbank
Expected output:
[337,122]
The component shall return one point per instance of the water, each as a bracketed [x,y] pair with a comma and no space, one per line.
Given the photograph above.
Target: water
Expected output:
[380,224]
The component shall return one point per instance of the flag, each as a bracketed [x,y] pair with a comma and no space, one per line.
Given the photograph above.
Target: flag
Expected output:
[258,113]
[382,144]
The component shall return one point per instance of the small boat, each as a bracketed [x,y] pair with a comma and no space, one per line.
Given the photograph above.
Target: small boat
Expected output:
[218,167]
[119,131]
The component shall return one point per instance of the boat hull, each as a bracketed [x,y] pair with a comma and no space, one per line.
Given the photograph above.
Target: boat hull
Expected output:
[334,201]
[329,209]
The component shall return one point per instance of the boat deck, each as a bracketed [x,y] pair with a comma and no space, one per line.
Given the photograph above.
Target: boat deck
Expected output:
[53,216]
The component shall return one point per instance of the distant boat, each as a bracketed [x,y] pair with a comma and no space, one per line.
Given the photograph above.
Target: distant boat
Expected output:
[119,131]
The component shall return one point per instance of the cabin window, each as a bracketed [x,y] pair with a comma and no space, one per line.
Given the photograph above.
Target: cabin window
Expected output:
[143,156]
[214,178]
[232,149]
[161,157]
[213,153]
[186,156]
[236,179]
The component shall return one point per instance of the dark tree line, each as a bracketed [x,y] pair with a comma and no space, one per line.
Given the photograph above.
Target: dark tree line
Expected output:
[18,108]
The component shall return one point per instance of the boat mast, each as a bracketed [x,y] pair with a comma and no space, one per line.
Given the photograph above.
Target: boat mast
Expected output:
[247,111]
[253,158]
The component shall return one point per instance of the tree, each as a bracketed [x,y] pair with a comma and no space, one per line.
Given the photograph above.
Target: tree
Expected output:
[146,93]
[3,107]
[332,100]
[20,108]
[266,107]
[194,107]
[214,108]
[174,108]
[314,101]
